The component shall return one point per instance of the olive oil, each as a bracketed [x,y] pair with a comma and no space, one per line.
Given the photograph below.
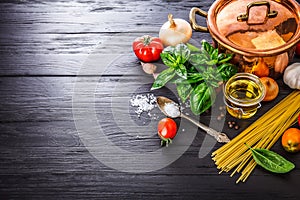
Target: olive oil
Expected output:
[243,93]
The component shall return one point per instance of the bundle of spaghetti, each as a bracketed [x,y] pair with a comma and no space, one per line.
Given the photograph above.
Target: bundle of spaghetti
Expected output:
[263,133]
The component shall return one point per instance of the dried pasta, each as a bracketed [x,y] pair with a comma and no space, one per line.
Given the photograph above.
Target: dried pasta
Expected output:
[263,133]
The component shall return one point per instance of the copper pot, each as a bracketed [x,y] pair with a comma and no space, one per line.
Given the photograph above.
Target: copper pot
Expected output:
[257,32]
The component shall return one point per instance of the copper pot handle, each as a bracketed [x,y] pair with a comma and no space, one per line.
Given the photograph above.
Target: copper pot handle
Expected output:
[269,13]
[193,22]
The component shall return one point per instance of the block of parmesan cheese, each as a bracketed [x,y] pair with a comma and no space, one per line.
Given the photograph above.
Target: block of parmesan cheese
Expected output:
[267,40]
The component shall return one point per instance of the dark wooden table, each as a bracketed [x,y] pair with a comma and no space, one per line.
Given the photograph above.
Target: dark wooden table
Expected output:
[67,130]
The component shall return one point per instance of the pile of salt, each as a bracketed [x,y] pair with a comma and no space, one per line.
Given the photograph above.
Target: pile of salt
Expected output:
[172,110]
[144,103]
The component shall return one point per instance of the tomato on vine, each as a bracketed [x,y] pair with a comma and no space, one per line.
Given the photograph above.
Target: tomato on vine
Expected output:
[147,48]
[166,129]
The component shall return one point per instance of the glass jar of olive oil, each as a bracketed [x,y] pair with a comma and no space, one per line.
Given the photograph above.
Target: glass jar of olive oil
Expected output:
[243,93]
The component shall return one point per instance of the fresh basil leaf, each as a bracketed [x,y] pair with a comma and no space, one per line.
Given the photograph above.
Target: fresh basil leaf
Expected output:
[214,55]
[200,68]
[182,53]
[222,58]
[181,71]
[196,72]
[195,77]
[227,70]
[198,59]
[179,80]
[168,59]
[163,78]
[201,98]
[271,161]
[213,82]
[211,62]
[169,50]
[224,67]
[176,56]
[192,79]
[207,47]
[184,91]
[211,77]
[192,48]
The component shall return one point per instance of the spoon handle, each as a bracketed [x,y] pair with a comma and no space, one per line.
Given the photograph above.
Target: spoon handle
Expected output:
[220,137]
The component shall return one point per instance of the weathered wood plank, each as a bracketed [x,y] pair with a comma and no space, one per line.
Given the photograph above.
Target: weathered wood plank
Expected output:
[50,98]
[18,41]
[114,16]
[53,147]
[66,64]
[46,49]
[59,6]
[95,184]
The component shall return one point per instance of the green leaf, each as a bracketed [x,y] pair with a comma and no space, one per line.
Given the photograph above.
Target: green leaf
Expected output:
[196,72]
[163,78]
[202,97]
[168,59]
[271,161]
[222,58]
[227,70]
[211,62]
[184,90]
[195,77]
[207,47]
[176,57]
[198,59]
[201,68]
[169,50]
[179,80]
[182,53]
[181,71]
[214,55]
[192,48]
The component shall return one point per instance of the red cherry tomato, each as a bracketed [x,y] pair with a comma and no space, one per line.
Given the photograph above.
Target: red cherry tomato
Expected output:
[297,49]
[147,48]
[166,130]
[299,119]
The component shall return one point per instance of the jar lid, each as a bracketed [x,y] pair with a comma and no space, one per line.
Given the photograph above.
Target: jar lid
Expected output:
[255,26]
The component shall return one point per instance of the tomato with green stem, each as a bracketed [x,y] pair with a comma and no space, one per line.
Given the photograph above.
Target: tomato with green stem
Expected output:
[166,129]
[147,48]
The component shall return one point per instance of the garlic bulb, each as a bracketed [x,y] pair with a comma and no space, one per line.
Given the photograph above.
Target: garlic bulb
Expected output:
[291,76]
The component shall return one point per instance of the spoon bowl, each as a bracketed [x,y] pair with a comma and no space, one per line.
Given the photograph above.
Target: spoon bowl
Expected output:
[168,107]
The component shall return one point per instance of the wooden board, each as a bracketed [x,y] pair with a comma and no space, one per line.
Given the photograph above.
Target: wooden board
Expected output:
[58,59]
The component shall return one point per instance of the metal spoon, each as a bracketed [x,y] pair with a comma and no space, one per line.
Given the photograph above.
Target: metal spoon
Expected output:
[163,101]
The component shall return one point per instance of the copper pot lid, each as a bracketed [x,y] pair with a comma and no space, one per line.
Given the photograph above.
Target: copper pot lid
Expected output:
[255,27]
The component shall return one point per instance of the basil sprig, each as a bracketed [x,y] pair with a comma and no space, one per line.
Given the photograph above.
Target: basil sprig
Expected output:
[196,73]
[271,161]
